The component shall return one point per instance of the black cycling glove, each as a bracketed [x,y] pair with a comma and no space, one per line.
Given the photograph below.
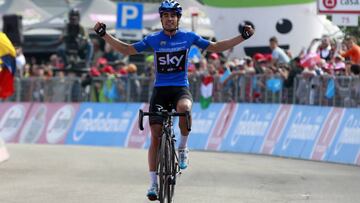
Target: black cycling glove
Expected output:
[245,33]
[101,30]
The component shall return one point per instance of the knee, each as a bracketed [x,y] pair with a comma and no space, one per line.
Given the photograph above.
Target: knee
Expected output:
[184,105]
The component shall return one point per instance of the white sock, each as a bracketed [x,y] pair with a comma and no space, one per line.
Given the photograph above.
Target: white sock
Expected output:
[153,177]
[183,142]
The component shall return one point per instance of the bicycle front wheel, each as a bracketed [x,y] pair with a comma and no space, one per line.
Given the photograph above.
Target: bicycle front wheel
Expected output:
[164,171]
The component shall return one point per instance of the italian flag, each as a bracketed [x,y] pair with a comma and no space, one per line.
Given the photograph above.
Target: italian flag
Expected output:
[206,91]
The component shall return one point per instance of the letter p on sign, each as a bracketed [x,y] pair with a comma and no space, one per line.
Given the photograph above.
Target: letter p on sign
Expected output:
[129,16]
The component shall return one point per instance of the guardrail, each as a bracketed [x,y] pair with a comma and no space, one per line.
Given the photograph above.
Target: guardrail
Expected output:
[316,90]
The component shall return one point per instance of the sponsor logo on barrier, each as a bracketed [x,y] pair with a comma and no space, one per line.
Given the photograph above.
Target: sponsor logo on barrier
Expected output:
[202,125]
[302,129]
[327,134]
[11,121]
[349,134]
[222,125]
[250,124]
[35,126]
[60,124]
[276,129]
[137,138]
[100,122]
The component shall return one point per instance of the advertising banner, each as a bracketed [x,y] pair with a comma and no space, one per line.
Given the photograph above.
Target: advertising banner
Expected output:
[346,145]
[326,136]
[48,123]
[223,122]
[247,131]
[276,129]
[203,122]
[137,138]
[12,118]
[302,129]
[103,124]
[338,6]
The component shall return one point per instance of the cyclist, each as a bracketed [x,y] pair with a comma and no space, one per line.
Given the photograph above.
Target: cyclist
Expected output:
[171,46]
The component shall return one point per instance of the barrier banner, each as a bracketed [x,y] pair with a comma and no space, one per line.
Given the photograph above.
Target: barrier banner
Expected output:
[48,123]
[4,155]
[276,129]
[358,159]
[327,135]
[301,131]
[203,122]
[346,145]
[102,124]
[224,121]
[247,131]
[137,138]
[12,118]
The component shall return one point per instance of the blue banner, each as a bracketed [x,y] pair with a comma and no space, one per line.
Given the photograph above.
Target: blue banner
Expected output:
[301,131]
[102,124]
[203,121]
[346,145]
[251,124]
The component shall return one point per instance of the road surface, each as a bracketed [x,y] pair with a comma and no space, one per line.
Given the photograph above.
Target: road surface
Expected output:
[59,173]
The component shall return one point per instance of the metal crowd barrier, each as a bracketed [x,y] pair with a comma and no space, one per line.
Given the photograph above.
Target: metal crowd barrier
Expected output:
[315,90]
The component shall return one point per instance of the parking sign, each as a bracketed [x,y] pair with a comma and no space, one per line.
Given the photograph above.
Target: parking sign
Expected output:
[129,21]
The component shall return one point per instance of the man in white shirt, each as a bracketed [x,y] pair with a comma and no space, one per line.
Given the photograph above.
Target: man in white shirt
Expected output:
[278,54]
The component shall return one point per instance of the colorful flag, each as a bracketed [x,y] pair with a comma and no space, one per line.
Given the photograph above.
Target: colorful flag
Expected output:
[7,66]
[206,91]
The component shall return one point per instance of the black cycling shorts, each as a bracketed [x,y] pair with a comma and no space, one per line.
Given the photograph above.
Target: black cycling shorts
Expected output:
[166,98]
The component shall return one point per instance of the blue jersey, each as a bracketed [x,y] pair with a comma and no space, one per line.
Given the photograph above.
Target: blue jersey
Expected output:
[171,54]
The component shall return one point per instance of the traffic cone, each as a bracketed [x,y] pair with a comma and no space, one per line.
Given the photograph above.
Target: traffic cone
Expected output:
[4,155]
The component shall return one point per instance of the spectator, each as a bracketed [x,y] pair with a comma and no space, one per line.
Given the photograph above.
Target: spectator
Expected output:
[111,55]
[20,61]
[75,41]
[133,86]
[353,50]
[55,62]
[350,92]
[325,50]
[279,56]
[98,53]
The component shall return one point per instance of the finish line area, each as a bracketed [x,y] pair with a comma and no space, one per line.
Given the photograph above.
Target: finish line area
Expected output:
[58,173]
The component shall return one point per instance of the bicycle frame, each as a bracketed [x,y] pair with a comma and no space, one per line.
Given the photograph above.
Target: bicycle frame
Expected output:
[167,159]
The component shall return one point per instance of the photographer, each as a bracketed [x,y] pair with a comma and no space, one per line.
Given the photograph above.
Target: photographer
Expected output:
[76,46]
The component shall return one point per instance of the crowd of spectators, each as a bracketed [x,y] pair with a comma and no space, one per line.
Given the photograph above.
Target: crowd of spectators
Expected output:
[324,58]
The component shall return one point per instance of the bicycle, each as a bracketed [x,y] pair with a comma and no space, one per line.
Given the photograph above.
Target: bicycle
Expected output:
[167,167]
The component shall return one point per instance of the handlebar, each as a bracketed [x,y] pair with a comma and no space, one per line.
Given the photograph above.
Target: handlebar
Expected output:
[164,114]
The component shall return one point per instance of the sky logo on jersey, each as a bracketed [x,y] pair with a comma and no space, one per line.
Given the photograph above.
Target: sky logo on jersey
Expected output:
[171,62]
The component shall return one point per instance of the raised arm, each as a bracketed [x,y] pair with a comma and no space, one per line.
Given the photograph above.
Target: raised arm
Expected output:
[224,45]
[122,47]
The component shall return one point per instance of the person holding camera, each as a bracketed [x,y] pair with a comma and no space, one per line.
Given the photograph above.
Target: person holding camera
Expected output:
[76,46]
